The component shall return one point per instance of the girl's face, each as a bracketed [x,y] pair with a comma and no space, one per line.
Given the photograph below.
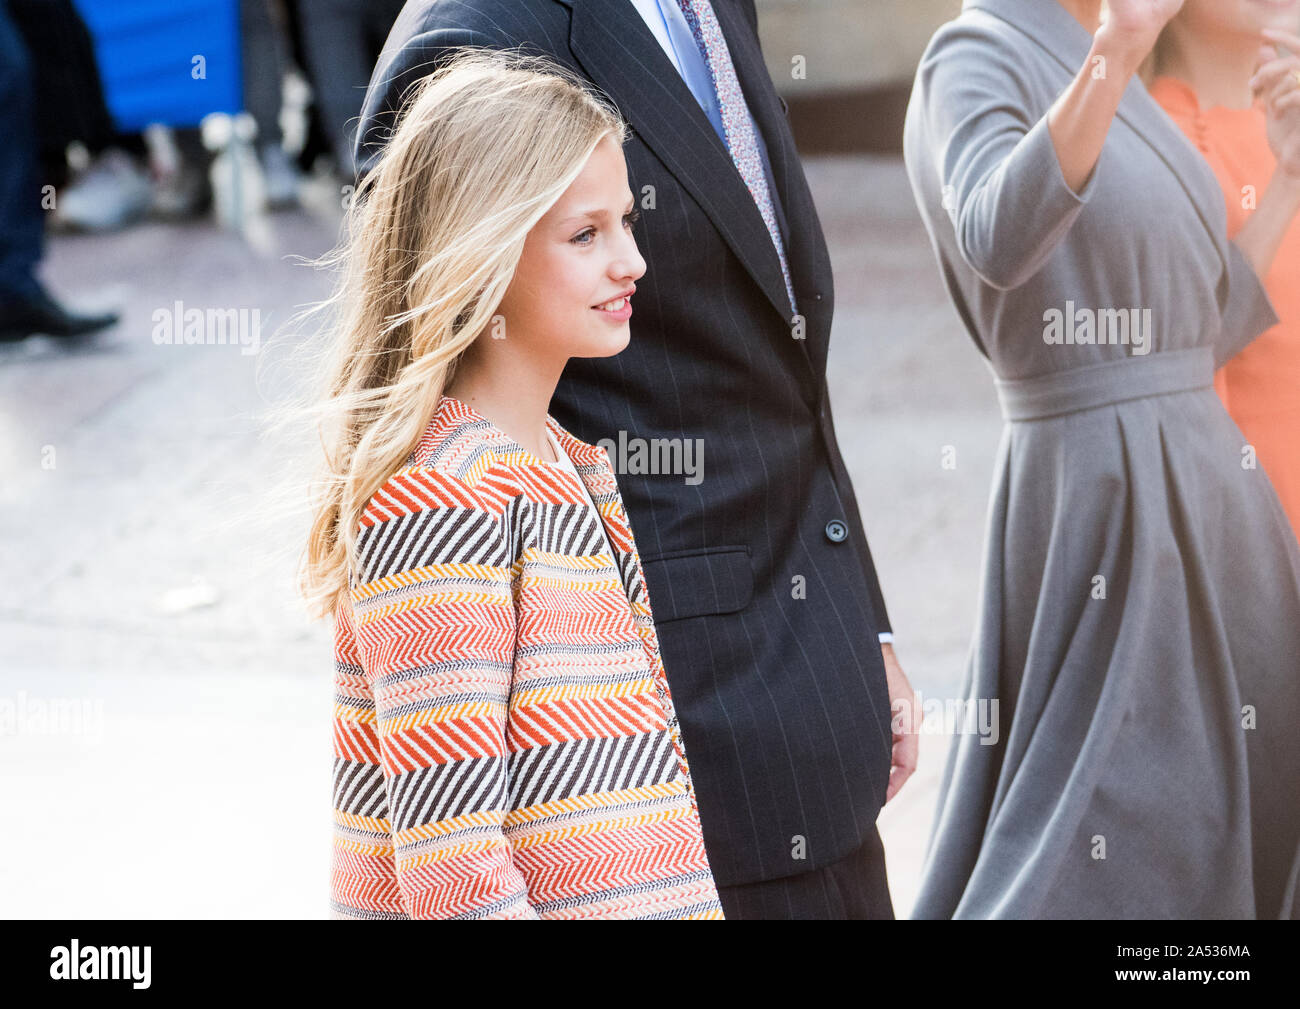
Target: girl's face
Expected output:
[570,295]
[1239,17]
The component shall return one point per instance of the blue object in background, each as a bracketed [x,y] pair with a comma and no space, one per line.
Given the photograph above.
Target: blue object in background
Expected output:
[147,53]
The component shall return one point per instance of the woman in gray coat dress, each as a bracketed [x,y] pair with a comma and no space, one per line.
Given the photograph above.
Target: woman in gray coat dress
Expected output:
[1139,623]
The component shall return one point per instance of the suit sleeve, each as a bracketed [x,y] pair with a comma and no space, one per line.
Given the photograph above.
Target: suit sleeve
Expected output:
[1002,183]
[422,786]
[409,55]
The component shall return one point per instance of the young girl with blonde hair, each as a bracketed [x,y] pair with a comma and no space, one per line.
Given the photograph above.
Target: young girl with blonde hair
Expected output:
[505,742]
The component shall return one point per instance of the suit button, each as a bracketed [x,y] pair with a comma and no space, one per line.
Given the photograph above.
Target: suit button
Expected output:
[837,531]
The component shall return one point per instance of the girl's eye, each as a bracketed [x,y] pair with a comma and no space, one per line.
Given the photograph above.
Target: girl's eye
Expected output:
[583,237]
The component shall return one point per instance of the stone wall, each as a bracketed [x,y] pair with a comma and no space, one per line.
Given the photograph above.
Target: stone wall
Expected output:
[845,66]
[847,45]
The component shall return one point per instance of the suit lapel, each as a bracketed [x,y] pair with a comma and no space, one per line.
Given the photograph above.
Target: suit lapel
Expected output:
[617,51]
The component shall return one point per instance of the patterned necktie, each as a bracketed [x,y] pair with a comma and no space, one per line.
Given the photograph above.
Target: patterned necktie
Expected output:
[739,129]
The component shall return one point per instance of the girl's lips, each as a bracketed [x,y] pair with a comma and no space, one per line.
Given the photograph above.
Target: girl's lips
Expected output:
[619,315]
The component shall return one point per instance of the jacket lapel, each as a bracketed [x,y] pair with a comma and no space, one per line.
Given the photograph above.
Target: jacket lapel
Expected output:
[592,463]
[1068,42]
[617,51]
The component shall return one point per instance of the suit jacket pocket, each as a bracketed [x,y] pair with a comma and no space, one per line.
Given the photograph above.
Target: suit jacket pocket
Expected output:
[697,583]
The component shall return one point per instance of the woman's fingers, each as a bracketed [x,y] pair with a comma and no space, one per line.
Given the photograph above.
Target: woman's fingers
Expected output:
[1285,83]
[1273,68]
[1276,76]
[1285,38]
[1287,103]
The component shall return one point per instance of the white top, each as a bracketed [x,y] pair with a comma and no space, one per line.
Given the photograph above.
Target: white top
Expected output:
[567,463]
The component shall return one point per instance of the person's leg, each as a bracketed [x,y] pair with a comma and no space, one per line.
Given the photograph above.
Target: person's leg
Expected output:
[25,308]
[21,223]
[67,92]
[186,193]
[263,69]
[810,896]
[854,888]
[339,64]
[316,142]
[69,105]
[862,882]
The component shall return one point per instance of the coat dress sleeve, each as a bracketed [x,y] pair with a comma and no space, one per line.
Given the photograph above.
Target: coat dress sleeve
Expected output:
[1247,310]
[1001,180]
[425,659]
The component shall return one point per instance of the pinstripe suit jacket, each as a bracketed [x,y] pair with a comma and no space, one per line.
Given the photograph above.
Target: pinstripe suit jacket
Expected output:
[766,599]
[505,741]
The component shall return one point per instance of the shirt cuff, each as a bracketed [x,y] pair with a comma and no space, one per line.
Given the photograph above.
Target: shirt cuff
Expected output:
[886,638]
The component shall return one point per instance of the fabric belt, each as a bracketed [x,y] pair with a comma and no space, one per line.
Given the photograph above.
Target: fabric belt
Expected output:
[1111,382]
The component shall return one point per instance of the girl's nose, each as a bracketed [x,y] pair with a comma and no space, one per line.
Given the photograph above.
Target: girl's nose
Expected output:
[630,264]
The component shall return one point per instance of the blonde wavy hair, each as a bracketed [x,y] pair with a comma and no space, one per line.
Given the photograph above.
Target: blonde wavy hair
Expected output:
[484,147]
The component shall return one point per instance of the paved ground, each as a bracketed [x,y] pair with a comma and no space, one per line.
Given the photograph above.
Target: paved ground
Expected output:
[164,703]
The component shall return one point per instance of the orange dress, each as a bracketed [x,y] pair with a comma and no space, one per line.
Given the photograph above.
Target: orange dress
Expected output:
[1261,385]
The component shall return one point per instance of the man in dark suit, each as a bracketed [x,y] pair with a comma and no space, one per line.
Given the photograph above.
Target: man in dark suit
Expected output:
[769,613]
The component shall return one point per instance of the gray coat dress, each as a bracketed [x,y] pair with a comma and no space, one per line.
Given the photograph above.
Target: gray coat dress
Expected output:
[1139,620]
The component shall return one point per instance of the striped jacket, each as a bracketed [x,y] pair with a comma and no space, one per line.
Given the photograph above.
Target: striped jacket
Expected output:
[505,744]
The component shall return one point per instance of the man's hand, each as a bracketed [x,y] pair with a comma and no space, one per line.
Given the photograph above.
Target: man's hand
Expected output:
[905,723]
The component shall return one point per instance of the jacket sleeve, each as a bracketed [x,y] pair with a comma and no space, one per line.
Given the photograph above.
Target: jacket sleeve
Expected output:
[363,872]
[421,761]
[999,174]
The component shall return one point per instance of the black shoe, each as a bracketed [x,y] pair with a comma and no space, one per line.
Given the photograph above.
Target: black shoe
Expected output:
[39,313]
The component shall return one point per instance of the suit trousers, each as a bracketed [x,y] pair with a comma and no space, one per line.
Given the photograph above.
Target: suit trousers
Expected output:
[854,888]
